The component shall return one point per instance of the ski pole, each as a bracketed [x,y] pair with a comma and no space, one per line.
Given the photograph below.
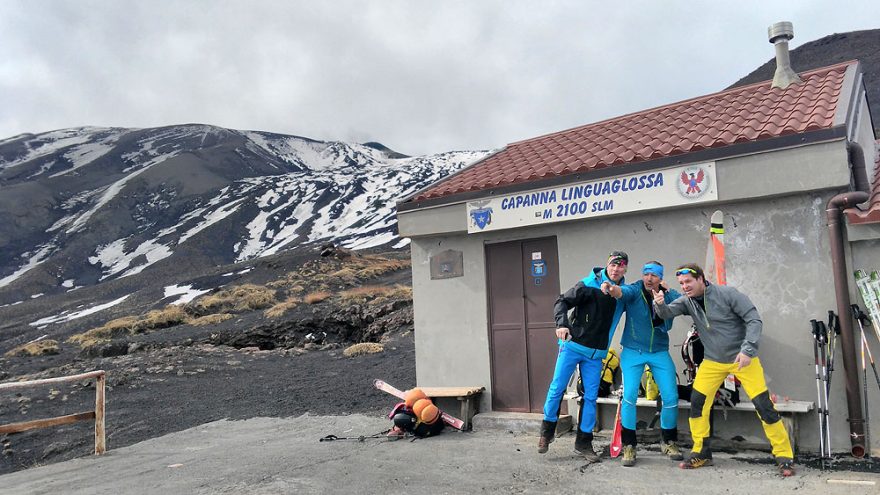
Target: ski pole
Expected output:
[859,315]
[865,391]
[870,298]
[833,332]
[863,318]
[823,343]
[814,325]
[361,438]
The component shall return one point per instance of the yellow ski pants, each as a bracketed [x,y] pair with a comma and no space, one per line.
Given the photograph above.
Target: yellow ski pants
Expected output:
[710,376]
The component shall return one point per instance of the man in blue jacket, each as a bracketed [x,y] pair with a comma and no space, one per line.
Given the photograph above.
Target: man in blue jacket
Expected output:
[583,341]
[645,341]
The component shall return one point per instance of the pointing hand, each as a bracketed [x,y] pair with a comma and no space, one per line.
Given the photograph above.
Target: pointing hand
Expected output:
[658,298]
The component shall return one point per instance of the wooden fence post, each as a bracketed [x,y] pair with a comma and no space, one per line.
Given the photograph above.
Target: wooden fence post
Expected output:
[98,414]
[100,446]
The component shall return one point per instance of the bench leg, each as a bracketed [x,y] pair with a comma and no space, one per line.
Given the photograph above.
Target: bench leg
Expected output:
[465,412]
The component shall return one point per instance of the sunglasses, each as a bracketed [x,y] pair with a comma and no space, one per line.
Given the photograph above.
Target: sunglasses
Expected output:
[686,271]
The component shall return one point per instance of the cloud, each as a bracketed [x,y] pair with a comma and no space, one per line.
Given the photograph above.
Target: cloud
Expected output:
[419,76]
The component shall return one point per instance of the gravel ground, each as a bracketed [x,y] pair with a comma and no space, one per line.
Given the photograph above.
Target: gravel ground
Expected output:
[272,456]
[157,392]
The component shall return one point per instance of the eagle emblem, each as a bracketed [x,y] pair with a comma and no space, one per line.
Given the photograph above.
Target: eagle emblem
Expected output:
[693,182]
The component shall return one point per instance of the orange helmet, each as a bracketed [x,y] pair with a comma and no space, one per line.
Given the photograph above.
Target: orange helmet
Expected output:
[420,406]
[429,414]
[412,395]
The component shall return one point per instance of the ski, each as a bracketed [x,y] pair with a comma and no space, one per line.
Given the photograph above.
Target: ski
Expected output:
[447,418]
[716,271]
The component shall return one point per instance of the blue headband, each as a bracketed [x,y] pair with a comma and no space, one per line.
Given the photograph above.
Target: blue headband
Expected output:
[653,268]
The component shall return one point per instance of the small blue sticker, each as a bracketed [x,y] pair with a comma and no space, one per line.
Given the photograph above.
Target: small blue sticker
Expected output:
[539,268]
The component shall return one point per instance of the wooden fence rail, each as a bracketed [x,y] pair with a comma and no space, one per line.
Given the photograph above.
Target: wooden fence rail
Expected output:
[97,414]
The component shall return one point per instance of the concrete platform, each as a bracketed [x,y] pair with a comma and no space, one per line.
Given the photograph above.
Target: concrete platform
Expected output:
[517,422]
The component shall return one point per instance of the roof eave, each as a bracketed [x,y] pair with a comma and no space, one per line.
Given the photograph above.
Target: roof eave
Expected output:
[739,149]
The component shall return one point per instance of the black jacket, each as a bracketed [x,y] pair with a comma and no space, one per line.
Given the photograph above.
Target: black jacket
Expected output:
[593,318]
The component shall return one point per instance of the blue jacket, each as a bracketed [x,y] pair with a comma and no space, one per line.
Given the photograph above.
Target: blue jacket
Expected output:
[639,332]
[595,315]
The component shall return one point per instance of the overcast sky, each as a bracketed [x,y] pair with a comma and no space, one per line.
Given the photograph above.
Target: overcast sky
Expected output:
[419,76]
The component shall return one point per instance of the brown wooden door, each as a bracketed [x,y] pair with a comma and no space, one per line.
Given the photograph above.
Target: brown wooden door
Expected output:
[523,285]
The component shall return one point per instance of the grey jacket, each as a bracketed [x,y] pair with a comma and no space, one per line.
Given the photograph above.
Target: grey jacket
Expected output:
[729,325]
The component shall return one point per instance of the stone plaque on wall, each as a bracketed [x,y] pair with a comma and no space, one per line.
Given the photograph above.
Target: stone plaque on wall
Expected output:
[447,264]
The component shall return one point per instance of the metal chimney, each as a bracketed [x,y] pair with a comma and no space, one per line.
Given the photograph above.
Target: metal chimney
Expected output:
[779,34]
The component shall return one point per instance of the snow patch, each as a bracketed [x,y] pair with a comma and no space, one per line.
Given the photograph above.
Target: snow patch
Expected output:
[187,293]
[65,316]
[113,190]
[40,256]
[114,259]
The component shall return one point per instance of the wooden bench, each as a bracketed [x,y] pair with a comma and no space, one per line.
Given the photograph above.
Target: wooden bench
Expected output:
[466,396]
[788,411]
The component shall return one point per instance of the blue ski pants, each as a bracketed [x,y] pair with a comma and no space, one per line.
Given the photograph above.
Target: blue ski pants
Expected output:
[632,366]
[591,369]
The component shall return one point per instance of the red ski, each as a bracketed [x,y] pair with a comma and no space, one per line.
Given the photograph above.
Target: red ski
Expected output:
[448,419]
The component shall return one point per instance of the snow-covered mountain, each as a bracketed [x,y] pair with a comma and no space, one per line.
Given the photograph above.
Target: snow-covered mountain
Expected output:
[85,205]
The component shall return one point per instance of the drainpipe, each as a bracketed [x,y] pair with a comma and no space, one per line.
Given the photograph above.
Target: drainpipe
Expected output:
[847,340]
[860,172]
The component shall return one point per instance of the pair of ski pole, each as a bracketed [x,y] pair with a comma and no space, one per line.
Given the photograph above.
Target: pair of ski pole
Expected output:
[824,368]
[863,320]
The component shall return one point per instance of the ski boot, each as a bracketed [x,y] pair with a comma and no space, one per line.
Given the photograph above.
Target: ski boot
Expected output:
[786,466]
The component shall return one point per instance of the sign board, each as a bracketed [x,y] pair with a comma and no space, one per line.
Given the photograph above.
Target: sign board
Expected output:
[683,185]
[447,264]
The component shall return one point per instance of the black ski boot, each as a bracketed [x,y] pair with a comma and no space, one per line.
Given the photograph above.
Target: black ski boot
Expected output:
[548,433]
[583,445]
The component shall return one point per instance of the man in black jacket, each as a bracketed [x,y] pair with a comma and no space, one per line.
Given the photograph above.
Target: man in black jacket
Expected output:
[583,342]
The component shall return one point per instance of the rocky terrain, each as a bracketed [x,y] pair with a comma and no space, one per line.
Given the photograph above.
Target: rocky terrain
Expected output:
[285,355]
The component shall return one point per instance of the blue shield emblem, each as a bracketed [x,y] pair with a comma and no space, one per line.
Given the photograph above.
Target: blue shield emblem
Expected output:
[481,217]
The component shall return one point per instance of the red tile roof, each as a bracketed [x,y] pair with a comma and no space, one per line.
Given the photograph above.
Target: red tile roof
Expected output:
[872,214]
[749,113]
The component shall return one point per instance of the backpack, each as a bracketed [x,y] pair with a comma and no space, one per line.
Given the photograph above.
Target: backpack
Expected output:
[692,353]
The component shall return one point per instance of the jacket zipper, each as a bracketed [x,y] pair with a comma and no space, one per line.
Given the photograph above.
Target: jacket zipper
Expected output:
[650,323]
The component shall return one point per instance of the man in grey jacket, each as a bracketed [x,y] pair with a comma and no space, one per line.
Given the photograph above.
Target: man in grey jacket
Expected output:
[730,329]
